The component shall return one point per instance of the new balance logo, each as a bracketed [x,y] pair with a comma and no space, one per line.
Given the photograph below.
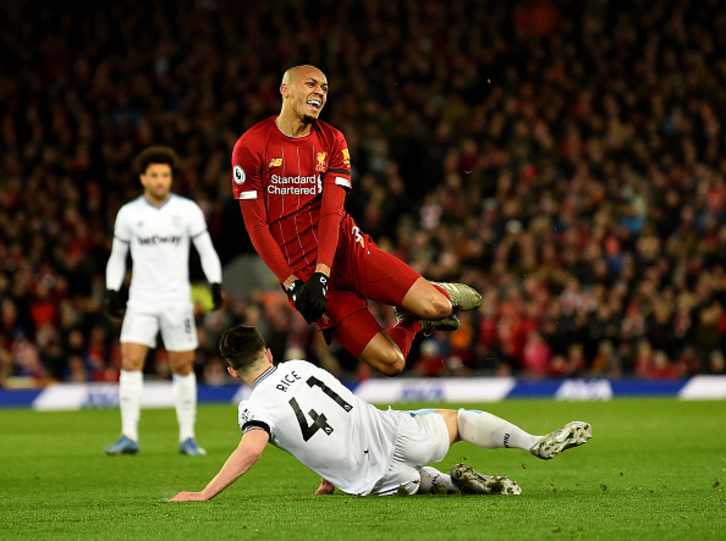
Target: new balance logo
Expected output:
[275,162]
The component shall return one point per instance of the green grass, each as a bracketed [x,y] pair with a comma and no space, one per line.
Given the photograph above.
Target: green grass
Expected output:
[655,469]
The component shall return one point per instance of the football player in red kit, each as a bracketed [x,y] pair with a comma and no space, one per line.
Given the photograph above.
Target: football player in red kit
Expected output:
[291,173]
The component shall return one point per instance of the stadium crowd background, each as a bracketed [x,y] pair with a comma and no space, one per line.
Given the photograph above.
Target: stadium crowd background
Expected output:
[565,158]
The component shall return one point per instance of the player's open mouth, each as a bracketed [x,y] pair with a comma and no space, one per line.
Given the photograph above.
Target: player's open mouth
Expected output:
[316,104]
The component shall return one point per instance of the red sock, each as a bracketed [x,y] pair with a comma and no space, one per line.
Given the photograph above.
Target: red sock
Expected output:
[403,334]
[443,291]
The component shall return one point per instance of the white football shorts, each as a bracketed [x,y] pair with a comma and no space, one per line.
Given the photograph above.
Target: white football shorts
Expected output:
[423,438]
[176,324]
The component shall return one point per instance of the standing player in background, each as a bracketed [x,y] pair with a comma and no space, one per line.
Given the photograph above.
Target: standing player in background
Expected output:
[157,228]
[291,173]
[356,447]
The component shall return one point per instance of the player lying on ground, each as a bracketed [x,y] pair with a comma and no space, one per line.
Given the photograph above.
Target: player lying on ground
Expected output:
[353,445]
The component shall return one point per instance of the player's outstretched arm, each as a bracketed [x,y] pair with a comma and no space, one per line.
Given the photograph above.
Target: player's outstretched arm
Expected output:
[239,462]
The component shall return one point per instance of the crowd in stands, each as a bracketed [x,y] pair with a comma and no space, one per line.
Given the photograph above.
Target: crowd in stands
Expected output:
[568,159]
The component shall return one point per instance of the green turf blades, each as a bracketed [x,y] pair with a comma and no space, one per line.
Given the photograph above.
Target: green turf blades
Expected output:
[639,478]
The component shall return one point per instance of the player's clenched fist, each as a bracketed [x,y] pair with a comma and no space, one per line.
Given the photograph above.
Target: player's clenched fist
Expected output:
[312,298]
[217,297]
[114,303]
[294,290]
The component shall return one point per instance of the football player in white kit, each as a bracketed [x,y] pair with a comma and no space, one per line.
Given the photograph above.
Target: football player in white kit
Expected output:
[354,446]
[157,229]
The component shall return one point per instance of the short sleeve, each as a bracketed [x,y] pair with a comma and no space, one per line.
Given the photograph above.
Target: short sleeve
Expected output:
[197,222]
[251,416]
[246,170]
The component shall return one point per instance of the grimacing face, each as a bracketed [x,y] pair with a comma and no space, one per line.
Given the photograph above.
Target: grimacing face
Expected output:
[308,93]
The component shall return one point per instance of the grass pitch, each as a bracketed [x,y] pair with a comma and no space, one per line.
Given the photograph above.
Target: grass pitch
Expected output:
[654,469]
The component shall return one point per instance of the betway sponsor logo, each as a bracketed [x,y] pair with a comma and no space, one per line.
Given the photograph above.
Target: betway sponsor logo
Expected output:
[158,239]
[277,179]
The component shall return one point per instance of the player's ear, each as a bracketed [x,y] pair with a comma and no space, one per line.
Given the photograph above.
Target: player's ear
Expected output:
[284,90]
[232,373]
[268,355]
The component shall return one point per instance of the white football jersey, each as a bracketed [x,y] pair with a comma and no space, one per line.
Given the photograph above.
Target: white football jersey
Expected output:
[159,239]
[313,416]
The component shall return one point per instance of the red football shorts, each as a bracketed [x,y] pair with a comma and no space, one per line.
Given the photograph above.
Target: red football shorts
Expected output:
[362,271]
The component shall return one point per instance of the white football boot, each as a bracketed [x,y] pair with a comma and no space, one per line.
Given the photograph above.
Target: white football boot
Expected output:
[571,435]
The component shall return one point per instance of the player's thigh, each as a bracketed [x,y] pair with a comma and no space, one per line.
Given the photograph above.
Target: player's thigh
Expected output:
[423,438]
[178,328]
[451,419]
[388,278]
[398,476]
[352,324]
[139,327]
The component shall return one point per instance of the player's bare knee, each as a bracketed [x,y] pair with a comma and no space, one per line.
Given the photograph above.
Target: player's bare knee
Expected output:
[182,370]
[181,362]
[392,363]
[392,370]
[132,363]
[437,308]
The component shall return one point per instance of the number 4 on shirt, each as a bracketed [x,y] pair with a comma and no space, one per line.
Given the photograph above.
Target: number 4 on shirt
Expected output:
[320,421]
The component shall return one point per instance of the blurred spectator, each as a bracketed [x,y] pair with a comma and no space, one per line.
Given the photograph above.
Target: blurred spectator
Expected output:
[583,191]
[717,363]
[215,372]
[662,367]
[536,356]
[462,341]
[430,361]
[606,361]
[707,335]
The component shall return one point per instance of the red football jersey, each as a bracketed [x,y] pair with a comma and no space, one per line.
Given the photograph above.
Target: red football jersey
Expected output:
[285,185]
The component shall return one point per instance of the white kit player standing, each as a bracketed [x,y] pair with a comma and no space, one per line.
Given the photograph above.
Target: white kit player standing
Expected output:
[157,228]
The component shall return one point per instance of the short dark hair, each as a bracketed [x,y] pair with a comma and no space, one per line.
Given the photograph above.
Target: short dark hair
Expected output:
[241,346]
[157,154]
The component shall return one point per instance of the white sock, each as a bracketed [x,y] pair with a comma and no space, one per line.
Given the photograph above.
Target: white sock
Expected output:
[185,401]
[131,386]
[431,476]
[491,432]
